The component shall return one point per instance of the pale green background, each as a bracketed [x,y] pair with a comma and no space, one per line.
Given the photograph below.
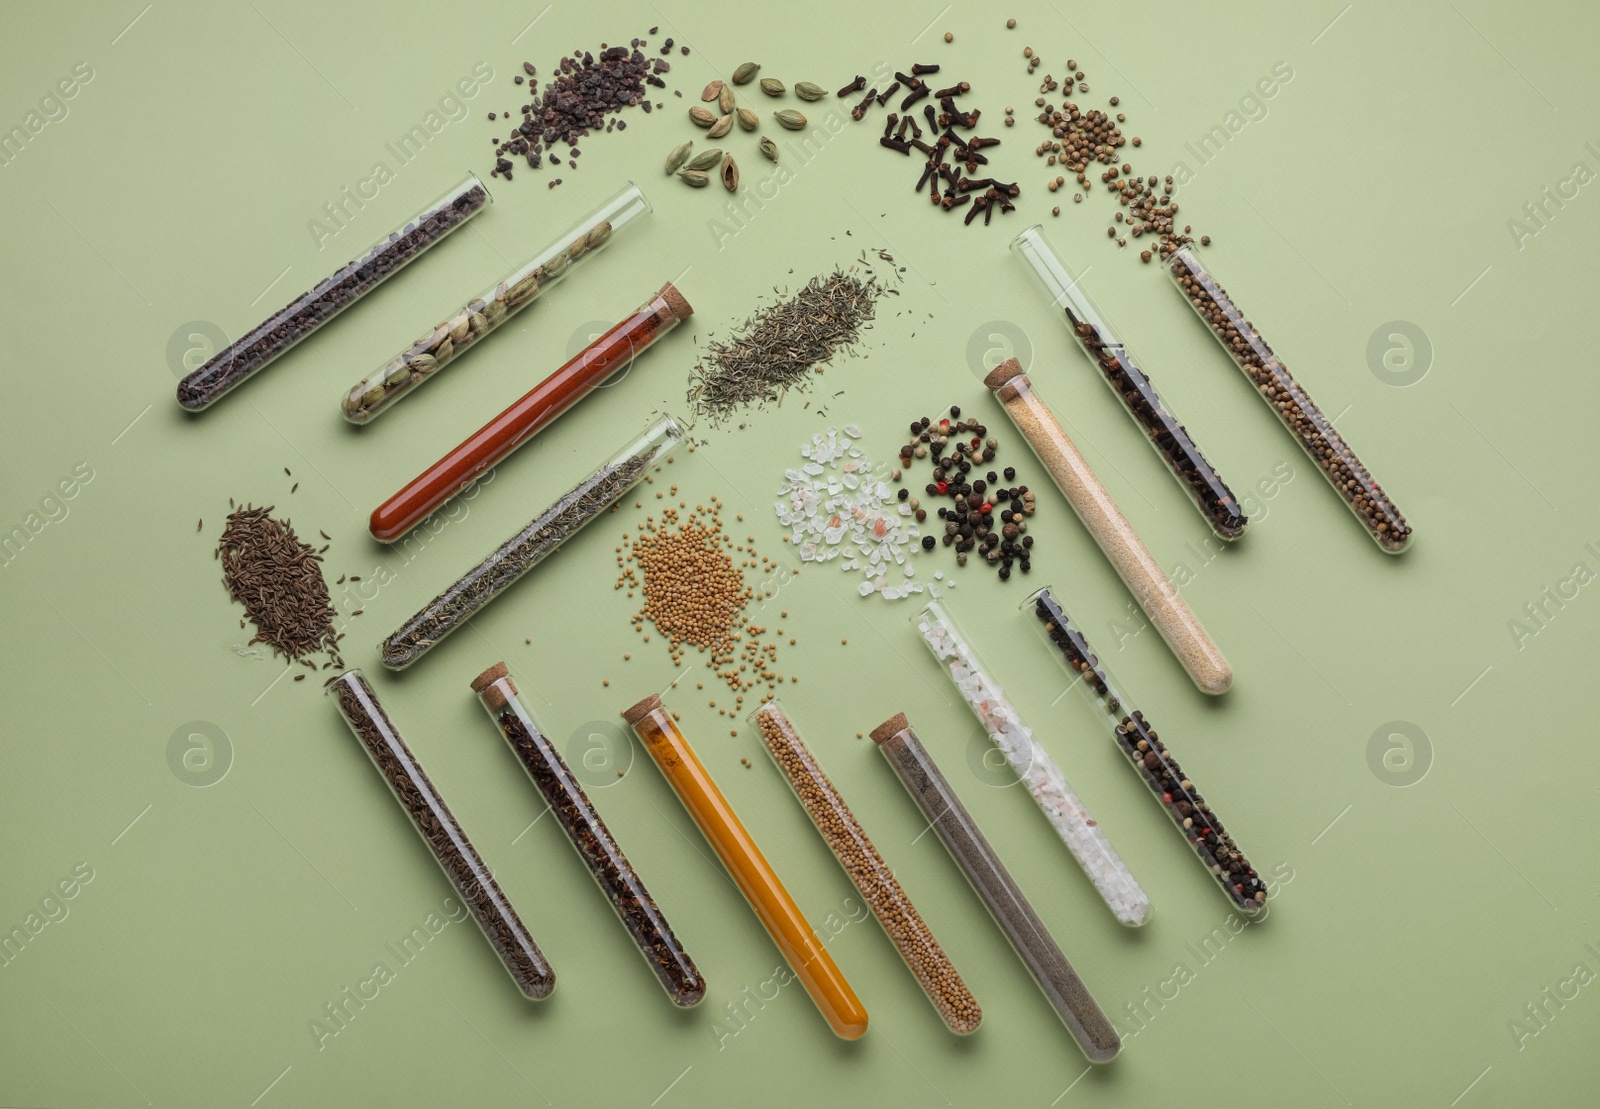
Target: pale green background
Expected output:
[1419,921]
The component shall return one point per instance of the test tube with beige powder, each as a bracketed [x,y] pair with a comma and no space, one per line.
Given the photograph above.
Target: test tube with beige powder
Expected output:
[1134,564]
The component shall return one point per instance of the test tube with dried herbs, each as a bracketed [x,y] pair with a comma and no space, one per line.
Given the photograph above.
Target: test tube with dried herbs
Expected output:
[595,845]
[461,863]
[443,344]
[880,889]
[529,546]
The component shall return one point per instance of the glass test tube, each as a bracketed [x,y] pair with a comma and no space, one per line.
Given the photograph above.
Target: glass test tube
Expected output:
[455,854]
[992,882]
[872,877]
[1033,765]
[491,443]
[589,835]
[748,868]
[529,546]
[236,363]
[1134,564]
[1311,429]
[1191,814]
[1101,342]
[442,345]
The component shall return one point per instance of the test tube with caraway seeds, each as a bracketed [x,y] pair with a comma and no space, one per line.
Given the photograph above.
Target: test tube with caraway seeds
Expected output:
[1190,812]
[748,868]
[433,820]
[993,884]
[1104,521]
[589,835]
[902,923]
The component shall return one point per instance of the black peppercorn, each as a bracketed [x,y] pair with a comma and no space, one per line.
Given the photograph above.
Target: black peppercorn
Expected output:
[931,489]
[992,476]
[955,411]
[1027,540]
[979,486]
[904,492]
[1011,473]
[927,542]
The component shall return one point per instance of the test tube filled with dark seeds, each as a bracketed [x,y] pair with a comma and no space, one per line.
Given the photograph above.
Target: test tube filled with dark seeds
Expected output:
[528,547]
[1312,430]
[1097,339]
[992,882]
[455,854]
[599,851]
[441,345]
[866,868]
[239,361]
[1191,813]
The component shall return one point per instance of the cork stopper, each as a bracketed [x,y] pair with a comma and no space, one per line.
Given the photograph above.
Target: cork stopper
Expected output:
[643,709]
[1003,373]
[680,307]
[486,681]
[896,723]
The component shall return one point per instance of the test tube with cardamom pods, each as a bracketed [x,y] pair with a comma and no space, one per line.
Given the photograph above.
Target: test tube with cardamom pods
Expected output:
[1032,764]
[1096,1036]
[595,845]
[530,545]
[902,923]
[432,818]
[1105,348]
[1190,813]
[252,352]
[1315,433]
[441,345]
[1123,548]
[748,867]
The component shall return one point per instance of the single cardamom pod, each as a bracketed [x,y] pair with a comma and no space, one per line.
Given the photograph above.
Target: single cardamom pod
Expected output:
[805,90]
[694,177]
[679,155]
[598,234]
[730,174]
[721,127]
[725,100]
[702,117]
[748,119]
[742,75]
[710,92]
[705,159]
[790,118]
[769,148]
[772,86]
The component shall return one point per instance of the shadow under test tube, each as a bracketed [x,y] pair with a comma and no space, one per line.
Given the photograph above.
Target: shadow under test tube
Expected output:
[1101,343]
[748,868]
[1191,813]
[451,848]
[838,826]
[1104,521]
[491,443]
[590,837]
[992,882]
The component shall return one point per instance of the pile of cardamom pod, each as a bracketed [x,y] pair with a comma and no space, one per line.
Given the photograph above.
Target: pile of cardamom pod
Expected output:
[697,170]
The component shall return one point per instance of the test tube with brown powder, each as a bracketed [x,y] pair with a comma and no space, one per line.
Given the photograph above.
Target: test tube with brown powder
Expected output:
[455,854]
[993,884]
[866,868]
[748,868]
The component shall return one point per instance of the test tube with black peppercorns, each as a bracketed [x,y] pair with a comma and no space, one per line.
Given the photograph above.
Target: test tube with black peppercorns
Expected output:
[1095,336]
[1312,430]
[1137,740]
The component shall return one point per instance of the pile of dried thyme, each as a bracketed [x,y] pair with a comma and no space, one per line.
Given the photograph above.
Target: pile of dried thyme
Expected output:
[279,581]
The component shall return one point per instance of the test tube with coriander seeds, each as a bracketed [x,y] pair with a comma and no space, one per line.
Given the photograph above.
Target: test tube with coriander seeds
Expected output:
[1299,413]
[1096,1036]
[1104,521]
[1103,346]
[1190,812]
[440,346]
[748,867]
[456,856]
[874,879]
[591,838]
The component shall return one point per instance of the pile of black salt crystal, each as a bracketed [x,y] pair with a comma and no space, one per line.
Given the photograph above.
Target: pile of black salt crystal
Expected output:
[585,91]
[279,581]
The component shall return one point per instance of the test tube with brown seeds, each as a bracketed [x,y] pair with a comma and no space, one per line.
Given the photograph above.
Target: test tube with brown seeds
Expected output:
[1104,521]
[992,882]
[452,850]
[591,838]
[902,923]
